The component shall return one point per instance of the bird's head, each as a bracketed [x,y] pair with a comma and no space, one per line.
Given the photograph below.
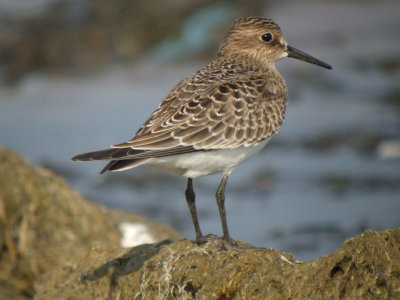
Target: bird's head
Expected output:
[262,41]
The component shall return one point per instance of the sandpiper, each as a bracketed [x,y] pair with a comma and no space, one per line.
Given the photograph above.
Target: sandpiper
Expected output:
[217,118]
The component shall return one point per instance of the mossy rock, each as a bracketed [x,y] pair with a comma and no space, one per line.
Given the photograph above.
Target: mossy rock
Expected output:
[364,267]
[44,224]
[56,245]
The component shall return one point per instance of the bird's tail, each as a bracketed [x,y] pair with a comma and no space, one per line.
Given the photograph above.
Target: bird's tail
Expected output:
[118,156]
[108,154]
[121,165]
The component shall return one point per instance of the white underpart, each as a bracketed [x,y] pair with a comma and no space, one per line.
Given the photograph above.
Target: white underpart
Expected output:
[204,163]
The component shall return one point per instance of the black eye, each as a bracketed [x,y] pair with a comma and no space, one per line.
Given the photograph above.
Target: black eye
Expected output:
[266,37]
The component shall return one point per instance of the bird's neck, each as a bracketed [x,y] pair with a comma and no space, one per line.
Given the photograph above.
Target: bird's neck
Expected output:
[249,62]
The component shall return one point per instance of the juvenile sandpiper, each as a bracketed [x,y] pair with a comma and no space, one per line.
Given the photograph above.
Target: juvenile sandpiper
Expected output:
[217,118]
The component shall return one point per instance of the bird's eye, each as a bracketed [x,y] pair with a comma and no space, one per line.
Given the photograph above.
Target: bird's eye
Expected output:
[266,37]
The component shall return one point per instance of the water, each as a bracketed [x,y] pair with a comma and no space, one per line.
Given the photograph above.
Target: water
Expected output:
[319,180]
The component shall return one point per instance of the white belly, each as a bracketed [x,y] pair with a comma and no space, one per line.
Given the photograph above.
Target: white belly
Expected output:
[205,163]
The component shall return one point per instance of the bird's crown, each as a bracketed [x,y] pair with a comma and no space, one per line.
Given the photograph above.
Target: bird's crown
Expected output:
[254,22]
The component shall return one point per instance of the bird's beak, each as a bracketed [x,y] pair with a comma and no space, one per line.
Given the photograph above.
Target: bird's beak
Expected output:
[296,53]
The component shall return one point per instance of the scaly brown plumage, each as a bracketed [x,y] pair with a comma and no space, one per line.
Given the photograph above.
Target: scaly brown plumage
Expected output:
[218,117]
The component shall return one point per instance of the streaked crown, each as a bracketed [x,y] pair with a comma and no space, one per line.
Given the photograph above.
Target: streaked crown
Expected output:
[254,22]
[256,39]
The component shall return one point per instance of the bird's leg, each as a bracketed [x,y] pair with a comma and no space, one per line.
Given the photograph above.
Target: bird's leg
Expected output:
[190,199]
[220,196]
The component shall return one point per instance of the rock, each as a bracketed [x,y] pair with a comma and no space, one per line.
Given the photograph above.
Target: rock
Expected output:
[44,224]
[364,267]
[56,245]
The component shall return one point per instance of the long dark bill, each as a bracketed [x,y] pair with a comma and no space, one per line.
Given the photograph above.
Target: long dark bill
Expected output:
[296,53]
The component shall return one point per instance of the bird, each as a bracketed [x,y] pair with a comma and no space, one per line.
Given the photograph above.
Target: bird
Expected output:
[217,118]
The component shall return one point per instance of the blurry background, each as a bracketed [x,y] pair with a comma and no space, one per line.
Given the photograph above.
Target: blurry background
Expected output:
[81,75]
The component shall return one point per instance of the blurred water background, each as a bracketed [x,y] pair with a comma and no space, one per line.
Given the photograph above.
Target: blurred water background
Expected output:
[82,75]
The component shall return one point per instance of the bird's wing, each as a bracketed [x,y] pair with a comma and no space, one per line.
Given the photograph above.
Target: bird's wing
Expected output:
[229,115]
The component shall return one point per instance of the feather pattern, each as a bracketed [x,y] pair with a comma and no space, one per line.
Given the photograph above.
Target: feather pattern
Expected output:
[217,118]
[236,101]
[227,104]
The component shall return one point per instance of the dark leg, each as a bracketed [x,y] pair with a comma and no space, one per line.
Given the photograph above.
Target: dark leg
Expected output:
[190,199]
[220,195]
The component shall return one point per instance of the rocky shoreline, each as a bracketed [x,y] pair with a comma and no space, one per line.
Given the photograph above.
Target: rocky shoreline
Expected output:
[57,245]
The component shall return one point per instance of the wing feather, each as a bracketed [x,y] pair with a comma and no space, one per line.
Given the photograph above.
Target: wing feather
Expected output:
[224,105]
[230,115]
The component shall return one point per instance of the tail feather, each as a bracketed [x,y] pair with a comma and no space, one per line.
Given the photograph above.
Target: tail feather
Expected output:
[129,153]
[127,158]
[120,165]
[107,154]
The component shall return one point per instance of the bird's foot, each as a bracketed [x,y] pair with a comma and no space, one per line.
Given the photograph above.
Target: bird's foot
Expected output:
[226,244]
[202,239]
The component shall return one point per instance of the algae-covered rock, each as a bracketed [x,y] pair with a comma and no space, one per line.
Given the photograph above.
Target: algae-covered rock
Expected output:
[364,267]
[46,227]
[44,224]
